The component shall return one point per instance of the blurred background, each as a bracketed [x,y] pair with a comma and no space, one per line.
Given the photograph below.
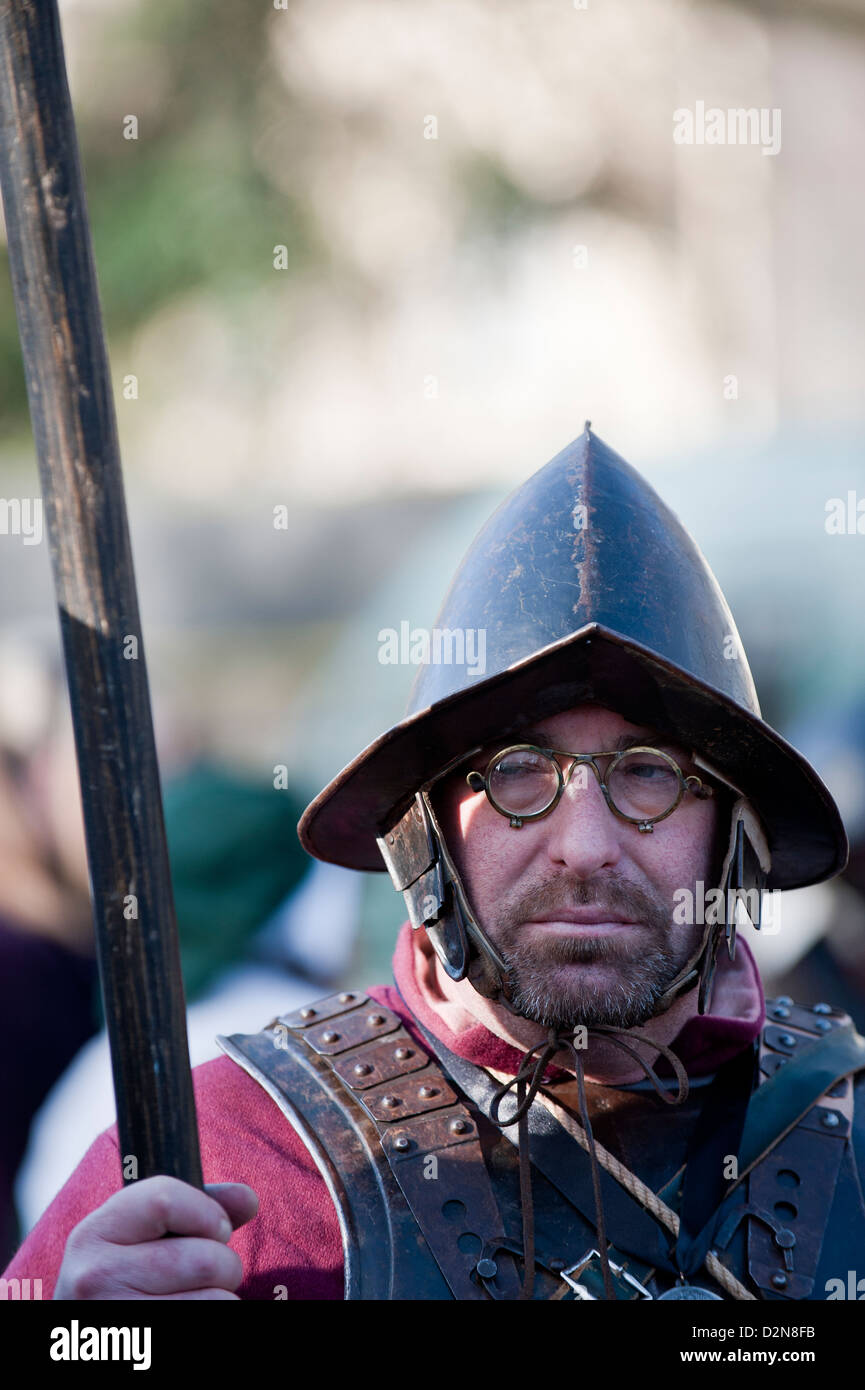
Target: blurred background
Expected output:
[364,267]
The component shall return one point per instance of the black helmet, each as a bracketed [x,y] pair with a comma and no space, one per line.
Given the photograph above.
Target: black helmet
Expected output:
[587,589]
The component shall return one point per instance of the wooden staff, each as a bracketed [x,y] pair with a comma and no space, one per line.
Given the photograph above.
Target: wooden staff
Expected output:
[75,430]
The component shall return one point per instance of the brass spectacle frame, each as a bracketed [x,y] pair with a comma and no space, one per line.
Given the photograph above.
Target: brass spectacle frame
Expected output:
[645,824]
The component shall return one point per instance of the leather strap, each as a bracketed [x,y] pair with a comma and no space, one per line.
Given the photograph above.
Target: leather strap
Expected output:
[790,1198]
[782,1101]
[552,1152]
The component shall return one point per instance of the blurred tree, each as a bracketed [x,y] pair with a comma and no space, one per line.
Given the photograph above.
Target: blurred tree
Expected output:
[186,205]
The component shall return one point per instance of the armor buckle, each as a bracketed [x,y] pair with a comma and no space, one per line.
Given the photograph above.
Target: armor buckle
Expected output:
[591,1262]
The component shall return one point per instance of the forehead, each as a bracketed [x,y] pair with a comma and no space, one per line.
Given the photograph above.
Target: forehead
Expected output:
[584,719]
[591,728]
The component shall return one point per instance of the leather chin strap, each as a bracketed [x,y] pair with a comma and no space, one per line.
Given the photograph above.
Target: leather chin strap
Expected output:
[743,876]
[421,868]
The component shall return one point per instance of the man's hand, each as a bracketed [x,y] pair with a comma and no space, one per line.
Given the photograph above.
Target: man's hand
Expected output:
[117,1252]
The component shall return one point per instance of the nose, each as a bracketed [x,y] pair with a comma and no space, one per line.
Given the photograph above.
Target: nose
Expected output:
[582,833]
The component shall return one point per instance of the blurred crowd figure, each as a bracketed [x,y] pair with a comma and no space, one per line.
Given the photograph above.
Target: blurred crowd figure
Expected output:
[48,976]
[819,953]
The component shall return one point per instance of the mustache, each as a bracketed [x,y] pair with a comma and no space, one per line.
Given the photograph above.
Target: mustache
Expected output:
[607,893]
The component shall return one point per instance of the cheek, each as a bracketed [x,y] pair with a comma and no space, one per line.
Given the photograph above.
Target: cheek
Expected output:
[686,855]
[710,845]
[480,841]
[453,811]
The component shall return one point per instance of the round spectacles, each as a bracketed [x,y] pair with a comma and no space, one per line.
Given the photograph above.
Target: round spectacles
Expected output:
[642,785]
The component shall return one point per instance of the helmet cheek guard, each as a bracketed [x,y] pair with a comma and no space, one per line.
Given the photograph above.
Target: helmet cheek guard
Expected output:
[746,867]
[422,869]
[742,879]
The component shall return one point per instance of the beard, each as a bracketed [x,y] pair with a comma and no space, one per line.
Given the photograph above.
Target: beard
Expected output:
[545,986]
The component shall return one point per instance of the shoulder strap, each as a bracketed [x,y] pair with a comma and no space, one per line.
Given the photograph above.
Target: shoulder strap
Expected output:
[804,1062]
[793,1147]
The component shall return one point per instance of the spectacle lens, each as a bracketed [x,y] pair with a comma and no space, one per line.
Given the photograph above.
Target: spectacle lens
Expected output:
[524,781]
[641,783]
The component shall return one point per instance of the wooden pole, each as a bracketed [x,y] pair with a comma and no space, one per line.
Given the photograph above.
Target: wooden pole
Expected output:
[75,430]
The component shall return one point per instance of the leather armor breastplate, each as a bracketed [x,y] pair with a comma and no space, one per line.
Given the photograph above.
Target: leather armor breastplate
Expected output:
[426,1188]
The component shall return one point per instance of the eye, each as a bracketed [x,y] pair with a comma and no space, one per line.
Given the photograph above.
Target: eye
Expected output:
[648,771]
[521,764]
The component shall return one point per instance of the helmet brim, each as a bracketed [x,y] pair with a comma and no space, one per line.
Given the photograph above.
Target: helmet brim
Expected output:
[595,665]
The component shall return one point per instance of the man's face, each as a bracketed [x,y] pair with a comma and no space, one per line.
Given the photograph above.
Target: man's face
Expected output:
[579,902]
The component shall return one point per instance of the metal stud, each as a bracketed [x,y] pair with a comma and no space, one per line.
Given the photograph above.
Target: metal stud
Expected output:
[786,1040]
[459,1126]
[390,1102]
[402,1054]
[822,1009]
[831,1119]
[307,1013]
[823,1025]
[346,998]
[785,1000]
[330,1036]
[426,1092]
[362,1069]
[781,1012]
[374,1020]
[487,1269]
[401,1143]
[779,1281]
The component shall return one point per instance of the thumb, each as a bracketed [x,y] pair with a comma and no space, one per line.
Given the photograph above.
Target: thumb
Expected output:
[239,1201]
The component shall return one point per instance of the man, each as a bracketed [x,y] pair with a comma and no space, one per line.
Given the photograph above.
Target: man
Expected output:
[570,1092]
